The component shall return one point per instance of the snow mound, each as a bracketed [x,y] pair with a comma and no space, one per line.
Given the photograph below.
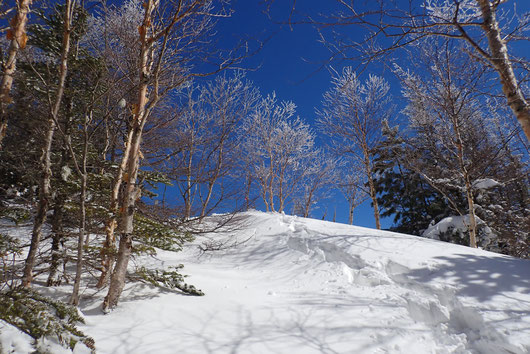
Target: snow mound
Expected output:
[456,224]
[295,285]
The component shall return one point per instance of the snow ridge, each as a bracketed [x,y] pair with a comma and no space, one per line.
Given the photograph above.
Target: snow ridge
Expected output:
[455,326]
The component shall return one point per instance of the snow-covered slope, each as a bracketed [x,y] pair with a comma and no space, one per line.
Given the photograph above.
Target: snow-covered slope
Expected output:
[306,286]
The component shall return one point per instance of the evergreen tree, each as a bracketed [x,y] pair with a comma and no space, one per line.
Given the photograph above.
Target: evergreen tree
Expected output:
[402,192]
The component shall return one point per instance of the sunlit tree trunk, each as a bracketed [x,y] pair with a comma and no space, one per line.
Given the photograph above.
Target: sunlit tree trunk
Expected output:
[371,185]
[131,193]
[503,65]
[18,39]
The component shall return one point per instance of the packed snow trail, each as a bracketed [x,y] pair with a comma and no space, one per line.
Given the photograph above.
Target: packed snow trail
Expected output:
[307,286]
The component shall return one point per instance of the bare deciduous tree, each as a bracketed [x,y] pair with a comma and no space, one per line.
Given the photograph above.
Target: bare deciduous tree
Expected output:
[352,115]
[350,184]
[488,29]
[169,38]
[320,172]
[277,145]
[445,112]
[199,149]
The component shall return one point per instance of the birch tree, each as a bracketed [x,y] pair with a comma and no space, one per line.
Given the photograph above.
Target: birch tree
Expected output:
[199,149]
[169,41]
[278,145]
[444,110]
[352,115]
[17,40]
[350,184]
[320,172]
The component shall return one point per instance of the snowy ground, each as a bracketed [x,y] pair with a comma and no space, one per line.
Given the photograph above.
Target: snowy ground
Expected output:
[307,286]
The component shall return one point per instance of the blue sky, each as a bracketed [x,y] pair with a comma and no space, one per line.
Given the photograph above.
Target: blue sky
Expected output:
[290,63]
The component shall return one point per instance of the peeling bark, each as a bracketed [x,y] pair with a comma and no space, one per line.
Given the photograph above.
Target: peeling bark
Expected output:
[117,280]
[503,65]
[18,37]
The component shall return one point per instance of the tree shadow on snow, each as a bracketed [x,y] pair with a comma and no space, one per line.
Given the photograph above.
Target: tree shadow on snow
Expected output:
[479,277]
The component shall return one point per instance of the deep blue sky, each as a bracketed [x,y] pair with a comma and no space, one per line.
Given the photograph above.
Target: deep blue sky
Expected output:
[290,63]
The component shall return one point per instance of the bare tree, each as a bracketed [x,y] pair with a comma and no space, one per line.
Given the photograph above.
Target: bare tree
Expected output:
[350,184]
[444,111]
[199,148]
[352,115]
[113,36]
[277,145]
[169,40]
[488,30]
[320,172]
[230,101]
[18,38]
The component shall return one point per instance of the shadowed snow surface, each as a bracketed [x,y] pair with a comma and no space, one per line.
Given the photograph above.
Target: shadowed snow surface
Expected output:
[306,286]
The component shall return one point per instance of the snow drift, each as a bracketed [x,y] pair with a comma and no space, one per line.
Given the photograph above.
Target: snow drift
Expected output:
[306,286]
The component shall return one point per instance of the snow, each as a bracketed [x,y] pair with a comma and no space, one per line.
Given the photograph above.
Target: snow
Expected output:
[14,341]
[308,286]
[486,183]
[456,223]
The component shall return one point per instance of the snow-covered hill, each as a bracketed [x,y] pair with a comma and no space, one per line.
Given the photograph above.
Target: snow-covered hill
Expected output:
[306,286]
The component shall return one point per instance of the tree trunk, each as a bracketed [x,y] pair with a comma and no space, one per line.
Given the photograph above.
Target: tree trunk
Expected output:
[117,281]
[503,65]
[45,161]
[17,32]
[82,170]
[350,215]
[44,200]
[472,220]
[247,192]
[281,197]
[74,300]
[187,194]
[465,173]
[374,201]
[131,194]
[213,180]
[108,251]
[271,181]
[118,275]
[371,185]
[57,242]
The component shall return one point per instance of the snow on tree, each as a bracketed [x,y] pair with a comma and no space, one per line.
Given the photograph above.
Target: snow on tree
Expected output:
[488,29]
[352,116]
[453,146]
[278,145]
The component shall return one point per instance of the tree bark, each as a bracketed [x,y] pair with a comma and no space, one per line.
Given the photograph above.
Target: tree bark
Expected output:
[45,161]
[371,185]
[82,171]
[350,214]
[17,32]
[503,65]
[57,241]
[472,227]
[117,281]
[108,251]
